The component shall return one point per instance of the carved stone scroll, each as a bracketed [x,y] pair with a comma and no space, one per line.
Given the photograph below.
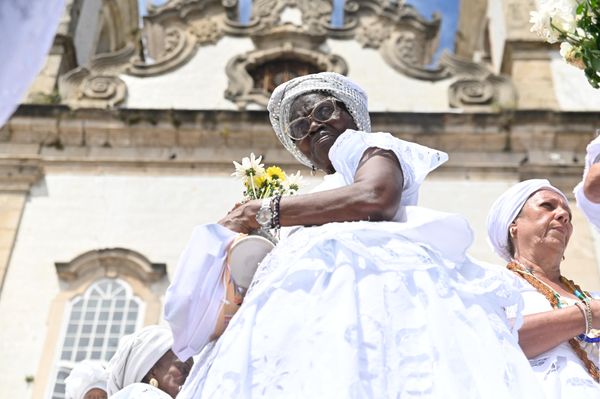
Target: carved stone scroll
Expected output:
[82,89]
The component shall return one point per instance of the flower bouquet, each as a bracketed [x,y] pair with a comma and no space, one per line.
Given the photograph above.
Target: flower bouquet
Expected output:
[576,24]
[247,251]
[262,183]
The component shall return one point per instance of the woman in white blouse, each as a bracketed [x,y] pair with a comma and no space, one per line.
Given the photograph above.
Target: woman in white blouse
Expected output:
[371,296]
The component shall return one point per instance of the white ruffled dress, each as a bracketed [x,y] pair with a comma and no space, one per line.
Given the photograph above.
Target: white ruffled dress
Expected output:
[371,309]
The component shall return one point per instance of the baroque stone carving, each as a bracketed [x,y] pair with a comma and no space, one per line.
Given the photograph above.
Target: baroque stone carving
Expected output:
[476,86]
[241,88]
[80,88]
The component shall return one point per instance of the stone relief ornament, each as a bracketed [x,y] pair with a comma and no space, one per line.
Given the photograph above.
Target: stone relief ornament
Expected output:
[174,31]
[80,88]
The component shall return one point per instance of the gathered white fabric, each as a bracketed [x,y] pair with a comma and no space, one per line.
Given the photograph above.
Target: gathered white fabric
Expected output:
[140,391]
[27,29]
[196,294]
[85,376]
[371,310]
[590,209]
[507,207]
[136,355]
[338,86]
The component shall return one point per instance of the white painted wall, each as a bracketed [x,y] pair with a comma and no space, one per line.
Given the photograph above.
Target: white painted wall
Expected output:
[497,32]
[389,90]
[571,88]
[198,84]
[87,31]
[201,82]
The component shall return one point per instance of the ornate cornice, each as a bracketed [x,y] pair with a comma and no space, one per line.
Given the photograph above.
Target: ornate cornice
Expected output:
[111,262]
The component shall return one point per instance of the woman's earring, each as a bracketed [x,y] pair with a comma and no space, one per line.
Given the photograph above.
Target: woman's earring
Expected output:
[512,232]
[312,170]
[154,382]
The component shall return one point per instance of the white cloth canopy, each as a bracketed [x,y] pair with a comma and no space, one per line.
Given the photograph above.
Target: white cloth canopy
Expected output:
[590,209]
[136,355]
[84,377]
[371,309]
[27,29]
[506,208]
[193,299]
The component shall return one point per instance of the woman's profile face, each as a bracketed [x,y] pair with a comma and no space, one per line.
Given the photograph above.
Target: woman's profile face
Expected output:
[171,372]
[544,220]
[320,135]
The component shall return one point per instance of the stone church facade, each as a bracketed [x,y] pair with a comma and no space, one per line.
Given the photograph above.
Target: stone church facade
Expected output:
[126,139]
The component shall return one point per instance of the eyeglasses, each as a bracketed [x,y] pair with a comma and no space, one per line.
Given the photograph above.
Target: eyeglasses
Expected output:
[323,111]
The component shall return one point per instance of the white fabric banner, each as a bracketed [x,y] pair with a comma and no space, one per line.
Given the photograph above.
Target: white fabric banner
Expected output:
[27,29]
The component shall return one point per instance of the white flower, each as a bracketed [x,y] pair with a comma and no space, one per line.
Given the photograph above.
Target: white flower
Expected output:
[571,55]
[249,167]
[553,18]
[293,182]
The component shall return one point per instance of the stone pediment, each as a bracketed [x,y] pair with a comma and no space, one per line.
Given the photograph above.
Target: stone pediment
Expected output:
[175,31]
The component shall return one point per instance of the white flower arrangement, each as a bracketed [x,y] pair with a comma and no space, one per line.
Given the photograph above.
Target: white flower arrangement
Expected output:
[576,24]
[263,183]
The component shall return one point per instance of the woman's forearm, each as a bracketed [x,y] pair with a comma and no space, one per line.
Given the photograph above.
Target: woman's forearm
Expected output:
[350,203]
[543,331]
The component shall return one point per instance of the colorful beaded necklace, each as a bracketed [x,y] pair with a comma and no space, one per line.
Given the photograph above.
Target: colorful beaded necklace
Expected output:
[554,298]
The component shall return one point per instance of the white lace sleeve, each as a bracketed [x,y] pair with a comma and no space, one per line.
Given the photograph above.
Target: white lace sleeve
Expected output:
[415,160]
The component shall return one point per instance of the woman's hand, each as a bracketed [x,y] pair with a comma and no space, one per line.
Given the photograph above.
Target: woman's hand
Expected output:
[242,217]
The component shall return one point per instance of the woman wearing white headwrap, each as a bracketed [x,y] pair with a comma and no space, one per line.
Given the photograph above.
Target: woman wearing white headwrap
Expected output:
[587,192]
[371,296]
[87,380]
[144,366]
[529,226]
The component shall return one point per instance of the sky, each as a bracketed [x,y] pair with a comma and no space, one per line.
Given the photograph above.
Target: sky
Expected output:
[448,8]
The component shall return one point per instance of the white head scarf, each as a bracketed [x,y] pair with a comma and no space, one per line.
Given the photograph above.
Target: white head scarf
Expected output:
[84,377]
[506,208]
[136,355]
[338,86]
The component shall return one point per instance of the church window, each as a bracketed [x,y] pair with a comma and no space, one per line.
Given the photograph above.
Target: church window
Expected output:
[95,321]
[271,74]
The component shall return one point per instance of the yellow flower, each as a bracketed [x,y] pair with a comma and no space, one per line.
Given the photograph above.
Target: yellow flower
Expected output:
[276,173]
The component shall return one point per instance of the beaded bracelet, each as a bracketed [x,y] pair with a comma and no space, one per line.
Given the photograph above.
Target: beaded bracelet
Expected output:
[275,224]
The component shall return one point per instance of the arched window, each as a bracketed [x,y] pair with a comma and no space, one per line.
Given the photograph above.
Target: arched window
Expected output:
[95,321]
[104,294]
[271,74]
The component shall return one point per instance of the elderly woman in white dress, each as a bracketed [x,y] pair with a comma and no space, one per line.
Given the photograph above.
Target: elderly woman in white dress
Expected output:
[529,226]
[87,380]
[371,296]
[144,366]
[587,192]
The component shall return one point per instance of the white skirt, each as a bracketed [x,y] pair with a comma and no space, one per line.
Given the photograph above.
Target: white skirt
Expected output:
[358,310]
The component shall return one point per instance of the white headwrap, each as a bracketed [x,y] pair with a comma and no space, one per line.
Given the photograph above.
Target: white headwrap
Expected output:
[506,208]
[84,377]
[331,83]
[136,355]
